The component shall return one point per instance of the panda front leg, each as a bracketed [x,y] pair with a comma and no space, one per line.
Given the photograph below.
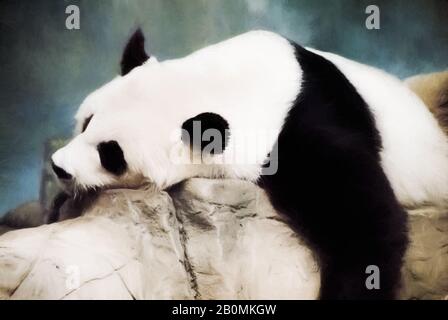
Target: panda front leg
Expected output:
[341,202]
[358,272]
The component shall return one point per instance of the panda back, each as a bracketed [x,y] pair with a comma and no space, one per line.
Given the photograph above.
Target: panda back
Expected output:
[414,152]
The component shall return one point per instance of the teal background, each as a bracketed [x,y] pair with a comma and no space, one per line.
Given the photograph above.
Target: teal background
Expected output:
[46,70]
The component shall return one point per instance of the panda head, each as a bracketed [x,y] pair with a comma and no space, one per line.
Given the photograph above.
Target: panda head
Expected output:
[149,124]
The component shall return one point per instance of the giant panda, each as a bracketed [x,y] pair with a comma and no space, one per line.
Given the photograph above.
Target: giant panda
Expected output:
[338,146]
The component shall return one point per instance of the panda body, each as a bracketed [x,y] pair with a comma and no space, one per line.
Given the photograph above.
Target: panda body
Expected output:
[414,149]
[350,144]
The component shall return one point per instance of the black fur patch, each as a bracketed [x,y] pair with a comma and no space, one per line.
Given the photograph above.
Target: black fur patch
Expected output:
[112,157]
[206,121]
[331,184]
[86,123]
[58,202]
[65,206]
[60,173]
[134,54]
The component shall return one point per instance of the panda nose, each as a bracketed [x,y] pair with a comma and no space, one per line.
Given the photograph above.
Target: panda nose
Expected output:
[60,173]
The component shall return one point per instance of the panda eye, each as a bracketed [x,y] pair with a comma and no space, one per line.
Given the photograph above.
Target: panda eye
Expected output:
[112,157]
[86,123]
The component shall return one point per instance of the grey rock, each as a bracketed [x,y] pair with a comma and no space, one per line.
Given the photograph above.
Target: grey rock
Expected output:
[125,247]
[238,247]
[425,274]
[139,244]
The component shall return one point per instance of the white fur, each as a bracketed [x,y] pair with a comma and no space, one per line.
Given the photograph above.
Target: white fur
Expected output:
[415,149]
[251,80]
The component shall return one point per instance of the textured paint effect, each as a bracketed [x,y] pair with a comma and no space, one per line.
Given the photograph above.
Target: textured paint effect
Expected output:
[47,70]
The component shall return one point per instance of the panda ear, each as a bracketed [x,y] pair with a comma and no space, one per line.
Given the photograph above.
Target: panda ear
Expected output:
[207,132]
[134,54]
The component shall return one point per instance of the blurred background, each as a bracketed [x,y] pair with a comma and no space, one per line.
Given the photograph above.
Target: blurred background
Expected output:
[47,70]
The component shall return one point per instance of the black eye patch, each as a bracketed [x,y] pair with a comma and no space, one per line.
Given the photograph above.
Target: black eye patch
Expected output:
[203,122]
[86,123]
[112,157]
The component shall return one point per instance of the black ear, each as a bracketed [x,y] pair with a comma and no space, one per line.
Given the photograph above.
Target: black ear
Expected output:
[112,157]
[206,132]
[134,54]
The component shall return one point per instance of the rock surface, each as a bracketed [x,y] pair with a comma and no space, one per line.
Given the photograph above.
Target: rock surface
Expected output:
[425,274]
[217,239]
